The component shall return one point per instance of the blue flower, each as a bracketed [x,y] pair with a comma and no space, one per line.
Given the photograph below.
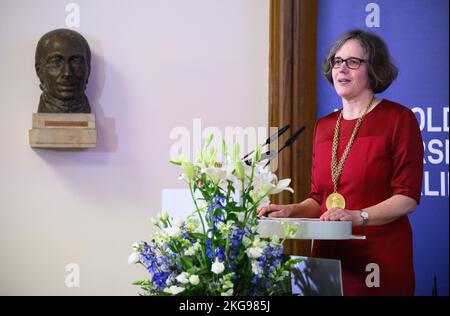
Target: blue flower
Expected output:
[228,229]
[160,279]
[209,252]
[219,254]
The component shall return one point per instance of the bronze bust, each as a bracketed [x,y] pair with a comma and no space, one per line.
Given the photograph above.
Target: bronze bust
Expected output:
[62,63]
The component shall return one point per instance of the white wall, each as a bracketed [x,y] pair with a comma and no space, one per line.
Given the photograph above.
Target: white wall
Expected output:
[157,64]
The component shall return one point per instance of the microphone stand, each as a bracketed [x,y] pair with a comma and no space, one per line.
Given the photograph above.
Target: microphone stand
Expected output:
[268,141]
[289,142]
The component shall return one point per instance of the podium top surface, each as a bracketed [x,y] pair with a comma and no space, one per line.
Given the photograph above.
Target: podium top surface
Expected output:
[307,228]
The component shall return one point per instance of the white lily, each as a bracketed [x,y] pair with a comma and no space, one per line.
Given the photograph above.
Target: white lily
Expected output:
[266,183]
[282,185]
[216,174]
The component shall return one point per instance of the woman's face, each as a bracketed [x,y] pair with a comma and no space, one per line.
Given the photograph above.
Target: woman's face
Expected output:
[351,83]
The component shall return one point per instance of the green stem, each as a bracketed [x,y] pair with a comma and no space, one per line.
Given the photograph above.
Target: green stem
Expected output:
[259,200]
[253,206]
[196,207]
[243,192]
[227,246]
[252,174]
[228,192]
[201,220]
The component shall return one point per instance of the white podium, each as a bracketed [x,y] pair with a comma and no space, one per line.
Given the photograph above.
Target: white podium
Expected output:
[178,203]
[307,228]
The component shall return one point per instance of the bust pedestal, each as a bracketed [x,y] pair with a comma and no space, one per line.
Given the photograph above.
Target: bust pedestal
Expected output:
[63,130]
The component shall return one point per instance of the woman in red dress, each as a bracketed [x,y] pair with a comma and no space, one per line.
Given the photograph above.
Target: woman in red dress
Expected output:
[367,168]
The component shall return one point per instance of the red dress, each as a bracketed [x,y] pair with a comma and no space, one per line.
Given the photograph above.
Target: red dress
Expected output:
[386,159]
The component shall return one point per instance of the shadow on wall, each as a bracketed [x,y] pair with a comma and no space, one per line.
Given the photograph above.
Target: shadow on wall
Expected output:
[107,140]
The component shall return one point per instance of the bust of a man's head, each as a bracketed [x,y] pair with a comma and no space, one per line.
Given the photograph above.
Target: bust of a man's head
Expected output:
[62,63]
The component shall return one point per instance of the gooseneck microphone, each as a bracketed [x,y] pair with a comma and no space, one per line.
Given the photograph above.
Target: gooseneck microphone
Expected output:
[270,140]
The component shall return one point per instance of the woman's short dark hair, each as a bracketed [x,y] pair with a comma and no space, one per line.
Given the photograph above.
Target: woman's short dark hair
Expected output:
[380,68]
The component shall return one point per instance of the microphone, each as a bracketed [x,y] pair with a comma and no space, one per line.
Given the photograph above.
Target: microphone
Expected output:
[277,134]
[288,142]
[293,138]
[269,140]
[267,155]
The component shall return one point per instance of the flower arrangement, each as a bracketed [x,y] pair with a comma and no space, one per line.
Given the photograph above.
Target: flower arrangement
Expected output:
[216,250]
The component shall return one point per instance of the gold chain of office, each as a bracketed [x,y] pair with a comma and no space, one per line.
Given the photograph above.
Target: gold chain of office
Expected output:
[336,169]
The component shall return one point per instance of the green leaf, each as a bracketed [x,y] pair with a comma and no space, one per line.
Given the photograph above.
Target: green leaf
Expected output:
[256,155]
[240,171]
[175,162]
[212,156]
[187,262]
[224,148]
[141,283]
[188,170]
[232,216]
[236,152]
[199,236]
[182,158]
[209,139]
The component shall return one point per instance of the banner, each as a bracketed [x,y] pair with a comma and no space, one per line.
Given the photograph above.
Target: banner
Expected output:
[416,32]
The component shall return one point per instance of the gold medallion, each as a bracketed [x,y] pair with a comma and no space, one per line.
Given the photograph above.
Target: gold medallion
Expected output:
[335,200]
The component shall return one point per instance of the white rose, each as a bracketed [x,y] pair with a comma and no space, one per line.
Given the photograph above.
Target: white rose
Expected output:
[194,279]
[174,290]
[192,224]
[197,246]
[246,241]
[189,252]
[183,278]
[217,267]
[227,293]
[256,269]
[254,252]
[133,258]
[172,231]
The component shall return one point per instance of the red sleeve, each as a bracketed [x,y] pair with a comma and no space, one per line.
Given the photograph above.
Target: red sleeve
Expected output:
[407,156]
[314,193]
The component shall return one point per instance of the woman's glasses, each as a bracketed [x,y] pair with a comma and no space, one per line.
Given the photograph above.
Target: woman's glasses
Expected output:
[352,62]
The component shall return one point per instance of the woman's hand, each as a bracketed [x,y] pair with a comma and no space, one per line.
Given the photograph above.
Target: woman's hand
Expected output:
[275,210]
[339,214]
